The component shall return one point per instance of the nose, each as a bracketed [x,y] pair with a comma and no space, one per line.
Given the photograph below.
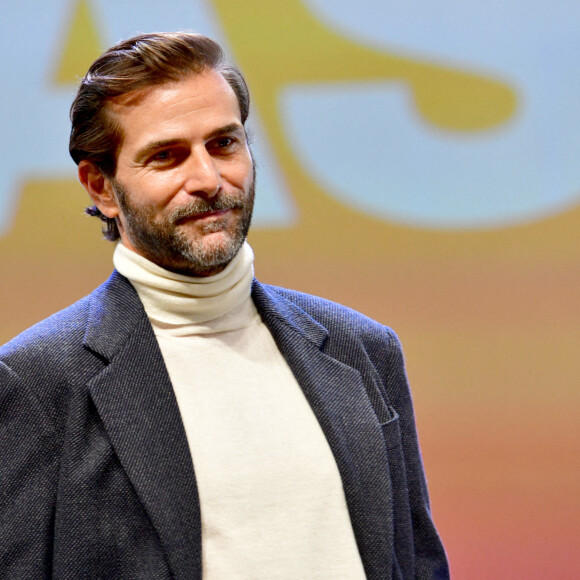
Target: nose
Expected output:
[203,175]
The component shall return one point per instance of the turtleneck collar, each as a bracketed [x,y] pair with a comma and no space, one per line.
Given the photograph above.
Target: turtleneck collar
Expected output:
[186,304]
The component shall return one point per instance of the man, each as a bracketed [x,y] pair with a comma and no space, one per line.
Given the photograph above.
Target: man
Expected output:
[184,419]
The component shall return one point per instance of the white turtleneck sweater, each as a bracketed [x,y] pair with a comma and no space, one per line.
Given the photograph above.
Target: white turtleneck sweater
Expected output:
[272,502]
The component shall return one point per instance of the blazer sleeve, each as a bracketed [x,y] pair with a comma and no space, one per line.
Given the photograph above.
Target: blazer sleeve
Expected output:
[430,561]
[28,479]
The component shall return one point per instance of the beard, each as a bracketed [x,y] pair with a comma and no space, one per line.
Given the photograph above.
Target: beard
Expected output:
[161,239]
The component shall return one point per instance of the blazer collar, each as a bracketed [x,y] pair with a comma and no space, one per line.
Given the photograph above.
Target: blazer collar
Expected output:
[277,311]
[115,311]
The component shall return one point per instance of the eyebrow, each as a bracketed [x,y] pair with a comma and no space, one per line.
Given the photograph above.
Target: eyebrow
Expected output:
[150,148]
[146,151]
[231,128]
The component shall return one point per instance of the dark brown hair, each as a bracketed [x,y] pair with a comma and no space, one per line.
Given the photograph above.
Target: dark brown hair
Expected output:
[139,62]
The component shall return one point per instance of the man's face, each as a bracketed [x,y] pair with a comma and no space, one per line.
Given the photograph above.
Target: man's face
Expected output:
[184,185]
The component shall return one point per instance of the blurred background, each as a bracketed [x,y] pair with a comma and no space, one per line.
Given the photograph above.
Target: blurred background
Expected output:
[419,162]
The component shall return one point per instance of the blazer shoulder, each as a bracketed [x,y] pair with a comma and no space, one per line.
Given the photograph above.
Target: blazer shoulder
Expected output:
[45,361]
[47,336]
[348,332]
[335,317]
[62,333]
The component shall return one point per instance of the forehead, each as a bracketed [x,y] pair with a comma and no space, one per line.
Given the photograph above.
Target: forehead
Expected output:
[199,101]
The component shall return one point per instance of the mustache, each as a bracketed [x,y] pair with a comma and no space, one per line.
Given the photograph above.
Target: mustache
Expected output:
[200,206]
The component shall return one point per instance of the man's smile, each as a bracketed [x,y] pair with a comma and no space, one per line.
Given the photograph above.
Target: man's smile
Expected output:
[210,214]
[207,215]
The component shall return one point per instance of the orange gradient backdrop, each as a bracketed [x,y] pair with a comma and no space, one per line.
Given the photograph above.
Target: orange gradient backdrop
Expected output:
[489,318]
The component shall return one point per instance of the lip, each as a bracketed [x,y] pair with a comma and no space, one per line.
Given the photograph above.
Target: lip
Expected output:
[206,215]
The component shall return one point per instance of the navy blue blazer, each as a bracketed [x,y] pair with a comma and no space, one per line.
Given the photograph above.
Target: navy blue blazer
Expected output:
[96,477]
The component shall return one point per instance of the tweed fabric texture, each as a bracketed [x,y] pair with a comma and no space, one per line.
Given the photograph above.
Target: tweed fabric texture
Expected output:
[96,476]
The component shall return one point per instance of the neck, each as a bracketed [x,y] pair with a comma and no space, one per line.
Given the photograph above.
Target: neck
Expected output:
[175,299]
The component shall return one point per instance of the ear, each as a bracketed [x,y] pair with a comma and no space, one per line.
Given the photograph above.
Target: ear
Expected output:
[99,188]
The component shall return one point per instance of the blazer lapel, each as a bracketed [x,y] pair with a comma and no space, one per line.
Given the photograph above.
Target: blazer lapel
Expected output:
[338,396]
[136,403]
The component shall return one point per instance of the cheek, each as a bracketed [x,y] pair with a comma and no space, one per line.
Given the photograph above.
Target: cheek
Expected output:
[156,190]
[244,174]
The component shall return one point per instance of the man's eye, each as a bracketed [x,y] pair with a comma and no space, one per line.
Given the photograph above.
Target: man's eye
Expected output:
[165,158]
[222,143]
[161,156]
